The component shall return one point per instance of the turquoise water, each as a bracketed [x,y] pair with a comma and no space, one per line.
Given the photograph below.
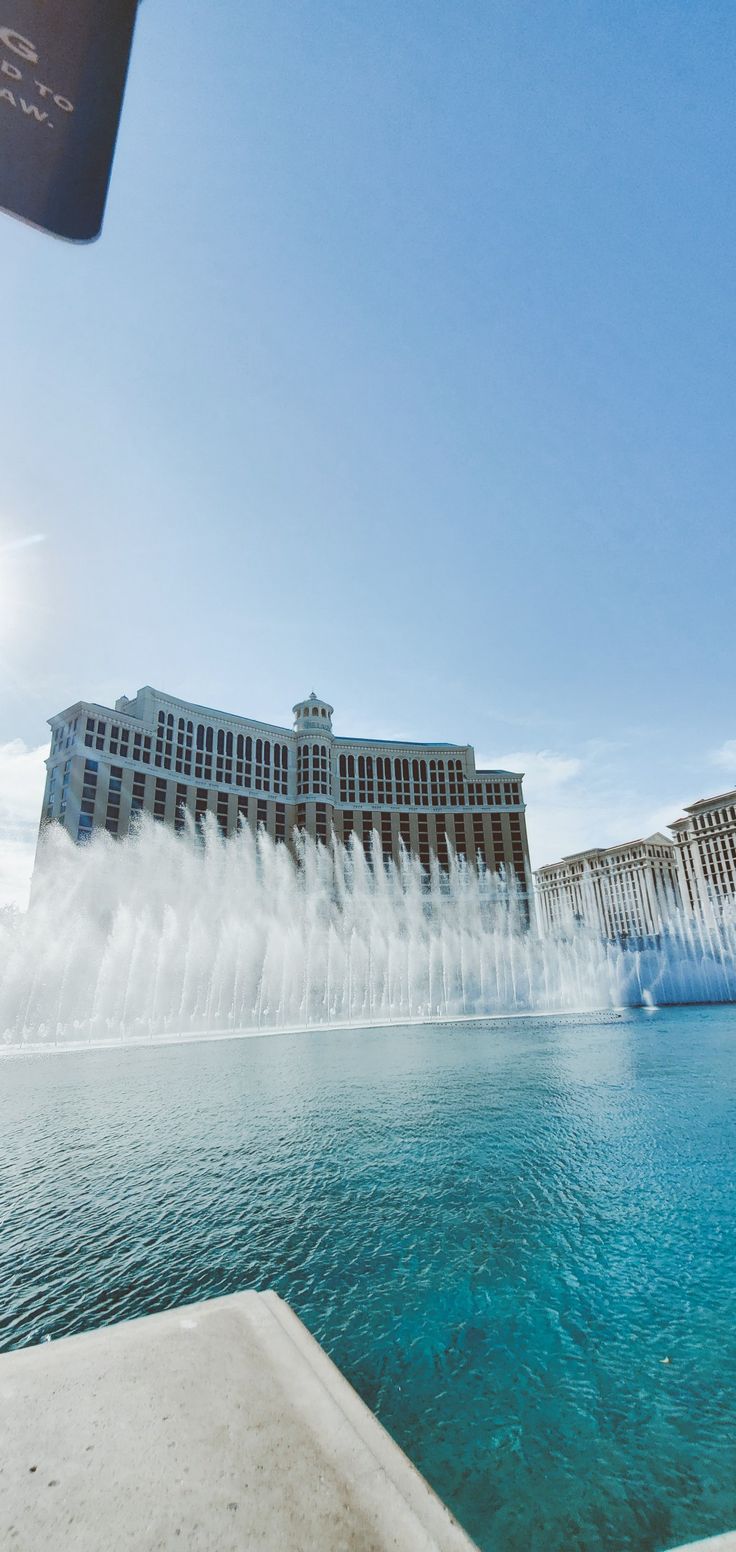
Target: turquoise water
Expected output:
[500,1232]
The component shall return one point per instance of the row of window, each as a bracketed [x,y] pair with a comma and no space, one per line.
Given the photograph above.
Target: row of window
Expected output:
[89,798]
[621,900]
[64,735]
[362,823]
[465,842]
[114,791]
[200,804]
[127,743]
[313,775]
[235,760]
[239,760]
[312,769]
[417,783]
[718,817]
[718,861]
[201,751]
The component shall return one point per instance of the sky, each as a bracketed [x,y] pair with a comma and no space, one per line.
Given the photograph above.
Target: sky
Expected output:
[403,370]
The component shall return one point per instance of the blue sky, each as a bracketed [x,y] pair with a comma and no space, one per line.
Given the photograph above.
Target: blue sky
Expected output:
[403,370]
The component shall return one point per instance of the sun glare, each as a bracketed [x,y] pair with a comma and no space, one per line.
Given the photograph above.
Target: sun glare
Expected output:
[13,592]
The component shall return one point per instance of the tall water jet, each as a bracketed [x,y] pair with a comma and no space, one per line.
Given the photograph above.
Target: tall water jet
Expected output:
[163,934]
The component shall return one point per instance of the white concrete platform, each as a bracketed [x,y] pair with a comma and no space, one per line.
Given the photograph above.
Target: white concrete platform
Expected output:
[212,1428]
[724,1543]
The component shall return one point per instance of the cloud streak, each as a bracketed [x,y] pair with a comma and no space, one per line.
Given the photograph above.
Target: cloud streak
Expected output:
[724,758]
[21,544]
[582,798]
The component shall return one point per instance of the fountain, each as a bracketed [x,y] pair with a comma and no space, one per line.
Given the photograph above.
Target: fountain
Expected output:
[166,935]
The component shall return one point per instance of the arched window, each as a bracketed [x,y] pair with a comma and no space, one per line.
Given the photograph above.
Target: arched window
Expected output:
[220,741]
[200,736]
[170,719]
[259,751]
[229,745]
[249,748]
[239,747]
[351,765]
[209,740]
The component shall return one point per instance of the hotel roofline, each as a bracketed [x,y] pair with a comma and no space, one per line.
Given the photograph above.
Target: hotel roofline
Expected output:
[657,839]
[702,804]
[192,707]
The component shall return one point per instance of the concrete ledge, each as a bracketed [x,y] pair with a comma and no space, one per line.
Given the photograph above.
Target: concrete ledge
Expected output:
[724,1543]
[214,1428]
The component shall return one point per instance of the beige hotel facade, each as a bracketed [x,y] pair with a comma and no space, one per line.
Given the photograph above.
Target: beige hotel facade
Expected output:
[627,891]
[157,754]
[705,844]
[631,891]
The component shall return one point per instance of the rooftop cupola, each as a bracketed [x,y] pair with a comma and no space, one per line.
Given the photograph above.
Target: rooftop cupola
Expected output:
[313,715]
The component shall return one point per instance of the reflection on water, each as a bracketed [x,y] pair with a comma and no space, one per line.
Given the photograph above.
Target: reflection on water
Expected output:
[499,1232]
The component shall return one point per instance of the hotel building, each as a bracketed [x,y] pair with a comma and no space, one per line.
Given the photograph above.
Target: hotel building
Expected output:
[624,892]
[160,755]
[705,842]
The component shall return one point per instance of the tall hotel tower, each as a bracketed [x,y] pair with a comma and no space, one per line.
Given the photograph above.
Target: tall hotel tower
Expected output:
[162,756]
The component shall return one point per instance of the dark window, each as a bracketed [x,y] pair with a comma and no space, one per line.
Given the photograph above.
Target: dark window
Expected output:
[180,806]
[460,842]
[386,837]
[139,794]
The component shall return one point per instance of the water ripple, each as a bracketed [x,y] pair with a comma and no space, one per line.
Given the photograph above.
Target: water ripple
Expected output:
[517,1240]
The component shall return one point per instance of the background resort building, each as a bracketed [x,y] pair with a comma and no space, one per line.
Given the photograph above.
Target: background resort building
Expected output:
[160,755]
[630,891]
[624,891]
[705,842]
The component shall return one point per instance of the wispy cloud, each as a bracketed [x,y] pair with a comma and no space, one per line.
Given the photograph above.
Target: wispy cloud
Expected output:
[725,757]
[581,798]
[545,771]
[21,792]
[22,543]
